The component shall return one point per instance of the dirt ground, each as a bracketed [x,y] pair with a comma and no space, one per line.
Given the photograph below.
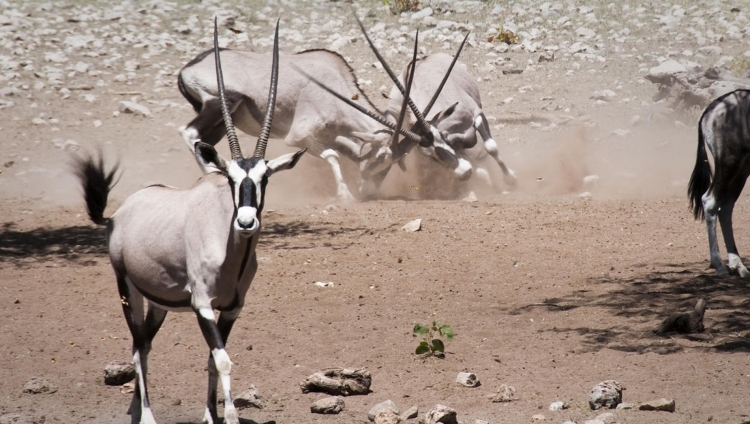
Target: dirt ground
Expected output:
[548,292]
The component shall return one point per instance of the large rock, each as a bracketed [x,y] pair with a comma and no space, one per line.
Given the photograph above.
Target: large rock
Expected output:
[388,405]
[37,386]
[606,394]
[118,373]
[658,405]
[667,71]
[329,405]
[686,323]
[441,414]
[338,381]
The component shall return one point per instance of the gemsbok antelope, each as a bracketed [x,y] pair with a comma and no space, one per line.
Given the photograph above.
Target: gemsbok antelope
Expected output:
[456,98]
[305,115]
[189,250]
[724,130]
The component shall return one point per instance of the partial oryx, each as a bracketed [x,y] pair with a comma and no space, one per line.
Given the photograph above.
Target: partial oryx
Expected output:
[189,250]
[305,115]
[458,102]
[723,130]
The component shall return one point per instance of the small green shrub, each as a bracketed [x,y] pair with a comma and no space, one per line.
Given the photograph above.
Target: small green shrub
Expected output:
[431,343]
[398,6]
[740,66]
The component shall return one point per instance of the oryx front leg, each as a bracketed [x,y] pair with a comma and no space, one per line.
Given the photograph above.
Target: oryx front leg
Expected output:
[342,191]
[490,145]
[733,257]
[219,363]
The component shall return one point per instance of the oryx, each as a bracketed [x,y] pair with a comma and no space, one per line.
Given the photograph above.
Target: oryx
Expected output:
[305,115]
[458,102]
[189,250]
[723,130]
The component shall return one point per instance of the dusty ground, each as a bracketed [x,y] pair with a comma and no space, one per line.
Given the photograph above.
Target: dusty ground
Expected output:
[547,292]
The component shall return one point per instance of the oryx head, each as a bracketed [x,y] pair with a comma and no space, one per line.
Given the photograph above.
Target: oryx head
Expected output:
[432,142]
[247,176]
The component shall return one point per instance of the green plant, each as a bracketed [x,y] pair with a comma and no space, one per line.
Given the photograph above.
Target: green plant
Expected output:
[398,6]
[431,343]
[740,66]
[504,36]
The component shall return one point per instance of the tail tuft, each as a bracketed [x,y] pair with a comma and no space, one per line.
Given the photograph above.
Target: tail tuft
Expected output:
[96,183]
[700,180]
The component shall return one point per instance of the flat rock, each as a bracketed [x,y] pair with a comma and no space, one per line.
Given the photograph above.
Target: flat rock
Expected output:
[387,417]
[606,394]
[658,405]
[118,373]
[134,108]
[607,418]
[329,405]
[338,381]
[468,379]
[667,70]
[37,386]
[413,226]
[504,394]
[538,417]
[441,414]
[410,413]
[387,405]
[249,398]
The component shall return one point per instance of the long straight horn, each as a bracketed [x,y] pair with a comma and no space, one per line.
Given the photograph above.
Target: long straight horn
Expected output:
[234,144]
[265,131]
[357,106]
[445,78]
[389,71]
[409,80]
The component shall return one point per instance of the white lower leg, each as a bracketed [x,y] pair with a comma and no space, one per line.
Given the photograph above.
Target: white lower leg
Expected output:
[333,159]
[490,146]
[735,263]
[710,209]
[483,175]
[147,416]
[224,367]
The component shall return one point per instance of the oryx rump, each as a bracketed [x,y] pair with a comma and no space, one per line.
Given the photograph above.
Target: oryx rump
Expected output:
[723,130]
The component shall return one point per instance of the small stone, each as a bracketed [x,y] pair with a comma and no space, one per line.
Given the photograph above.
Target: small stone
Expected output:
[82,67]
[413,226]
[118,373]
[606,394]
[558,406]
[441,414]
[546,57]
[249,398]
[387,405]
[37,386]
[658,405]
[471,197]
[603,95]
[625,406]
[585,33]
[329,405]
[594,421]
[607,418]
[620,132]
[467,379]
[538,417]
[410,413]
[590,181]
[135,108]
[387,417]
[586,195]
[505,394]
[178,402]
[127,388]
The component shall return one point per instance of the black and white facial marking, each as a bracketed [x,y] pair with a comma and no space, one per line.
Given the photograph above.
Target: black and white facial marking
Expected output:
[442,152]
[248,178]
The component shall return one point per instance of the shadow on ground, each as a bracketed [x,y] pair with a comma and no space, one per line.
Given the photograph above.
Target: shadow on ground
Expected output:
[41,244]
[639,303]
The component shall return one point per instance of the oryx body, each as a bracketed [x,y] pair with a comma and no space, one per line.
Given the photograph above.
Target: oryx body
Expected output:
[306,115]
[460,117]
[187,250]
[723,130]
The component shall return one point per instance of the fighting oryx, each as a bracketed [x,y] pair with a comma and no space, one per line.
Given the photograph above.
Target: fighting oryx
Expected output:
[458,102]
[723,130]
[189,250]
[305,115]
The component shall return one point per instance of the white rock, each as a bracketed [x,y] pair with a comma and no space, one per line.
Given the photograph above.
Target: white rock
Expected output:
[585,33]
[471,197]
[413,226]
[387,405]
[670,68]
[55,57]
[607,418]
[324,283]
[441,414]
[135,108]
[558,406]
[427,11]
[585,195]
[82,67]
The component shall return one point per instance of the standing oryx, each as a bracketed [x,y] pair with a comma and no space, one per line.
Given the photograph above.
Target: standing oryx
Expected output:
[456,98]
[189,250]
[305,115]
[723,129]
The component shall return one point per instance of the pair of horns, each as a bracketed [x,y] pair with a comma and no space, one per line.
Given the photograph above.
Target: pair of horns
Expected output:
[419,115]
[265,131]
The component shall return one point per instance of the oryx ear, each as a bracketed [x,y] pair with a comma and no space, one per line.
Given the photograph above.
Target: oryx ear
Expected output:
[209,158]
[283,162]
[444,114]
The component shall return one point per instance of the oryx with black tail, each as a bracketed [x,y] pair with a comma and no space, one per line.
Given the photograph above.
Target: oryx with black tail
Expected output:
[305,115]
[189,250]
[723,130]
[457,99]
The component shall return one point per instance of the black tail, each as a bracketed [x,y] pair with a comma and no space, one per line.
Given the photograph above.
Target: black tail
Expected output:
[700,181]
[197,106]
[96,183]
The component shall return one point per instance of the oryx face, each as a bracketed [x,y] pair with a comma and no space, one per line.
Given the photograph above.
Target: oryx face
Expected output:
[247,178]
[435,146]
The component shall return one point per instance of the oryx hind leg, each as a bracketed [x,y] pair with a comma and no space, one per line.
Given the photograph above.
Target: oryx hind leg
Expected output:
[490,145]
[710,208]
[143,332]
[725,220]
[219,363]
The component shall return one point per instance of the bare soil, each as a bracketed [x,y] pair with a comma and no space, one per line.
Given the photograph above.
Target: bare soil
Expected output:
[546,291]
